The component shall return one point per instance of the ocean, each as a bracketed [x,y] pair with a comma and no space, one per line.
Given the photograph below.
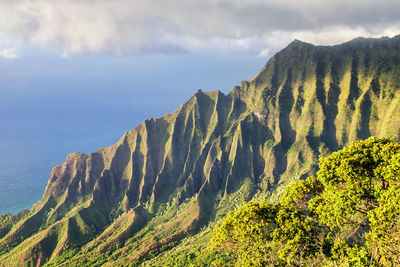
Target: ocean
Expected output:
[51,106]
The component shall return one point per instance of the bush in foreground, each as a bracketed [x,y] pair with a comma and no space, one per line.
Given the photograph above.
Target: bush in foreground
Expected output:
[348,215]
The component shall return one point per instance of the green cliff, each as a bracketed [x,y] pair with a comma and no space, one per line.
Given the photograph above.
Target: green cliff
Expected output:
[162,187]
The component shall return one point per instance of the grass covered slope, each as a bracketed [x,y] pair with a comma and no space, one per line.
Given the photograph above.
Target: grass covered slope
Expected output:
[165,183]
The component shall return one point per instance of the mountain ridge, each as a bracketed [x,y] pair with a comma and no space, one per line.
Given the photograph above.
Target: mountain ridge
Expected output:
[172,177]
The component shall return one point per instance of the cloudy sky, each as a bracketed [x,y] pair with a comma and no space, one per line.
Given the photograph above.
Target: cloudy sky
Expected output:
[175,26]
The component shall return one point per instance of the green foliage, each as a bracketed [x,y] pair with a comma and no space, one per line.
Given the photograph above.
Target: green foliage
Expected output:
[246,233]
[260,234]
[344,255]
[384,237]
[354,179]
[348,215]
[300,192]
[193,257]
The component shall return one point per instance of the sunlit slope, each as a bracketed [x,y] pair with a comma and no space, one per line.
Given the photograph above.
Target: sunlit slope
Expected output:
[170,178]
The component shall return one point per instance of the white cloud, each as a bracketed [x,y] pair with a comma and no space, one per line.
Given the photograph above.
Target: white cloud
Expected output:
[133,26]
[9,53]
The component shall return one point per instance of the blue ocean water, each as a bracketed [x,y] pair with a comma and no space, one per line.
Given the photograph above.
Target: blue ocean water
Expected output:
[52,106]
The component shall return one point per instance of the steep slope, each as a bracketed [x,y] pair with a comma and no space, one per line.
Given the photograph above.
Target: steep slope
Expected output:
[170,177]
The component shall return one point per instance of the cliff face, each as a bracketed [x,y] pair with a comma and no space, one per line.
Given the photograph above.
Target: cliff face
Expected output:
[169,177]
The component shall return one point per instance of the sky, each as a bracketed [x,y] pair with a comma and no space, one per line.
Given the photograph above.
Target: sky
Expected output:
[177,26]
[76,74]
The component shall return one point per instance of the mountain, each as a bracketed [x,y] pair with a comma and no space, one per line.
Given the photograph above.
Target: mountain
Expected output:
[159,191]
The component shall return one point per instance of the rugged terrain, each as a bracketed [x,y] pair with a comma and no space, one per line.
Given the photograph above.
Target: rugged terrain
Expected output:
[159,191]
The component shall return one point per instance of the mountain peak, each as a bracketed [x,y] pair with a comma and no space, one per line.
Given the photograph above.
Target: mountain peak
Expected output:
[296,43]
[368,40]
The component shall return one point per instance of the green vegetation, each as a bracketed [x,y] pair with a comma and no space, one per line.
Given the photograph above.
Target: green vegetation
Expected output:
[346,216]
[155,196]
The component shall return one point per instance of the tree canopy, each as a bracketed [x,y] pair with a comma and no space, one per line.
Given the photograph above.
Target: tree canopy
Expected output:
[347,215]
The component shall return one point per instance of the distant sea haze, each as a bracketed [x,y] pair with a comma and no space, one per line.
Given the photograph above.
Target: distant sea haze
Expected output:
[52,106]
